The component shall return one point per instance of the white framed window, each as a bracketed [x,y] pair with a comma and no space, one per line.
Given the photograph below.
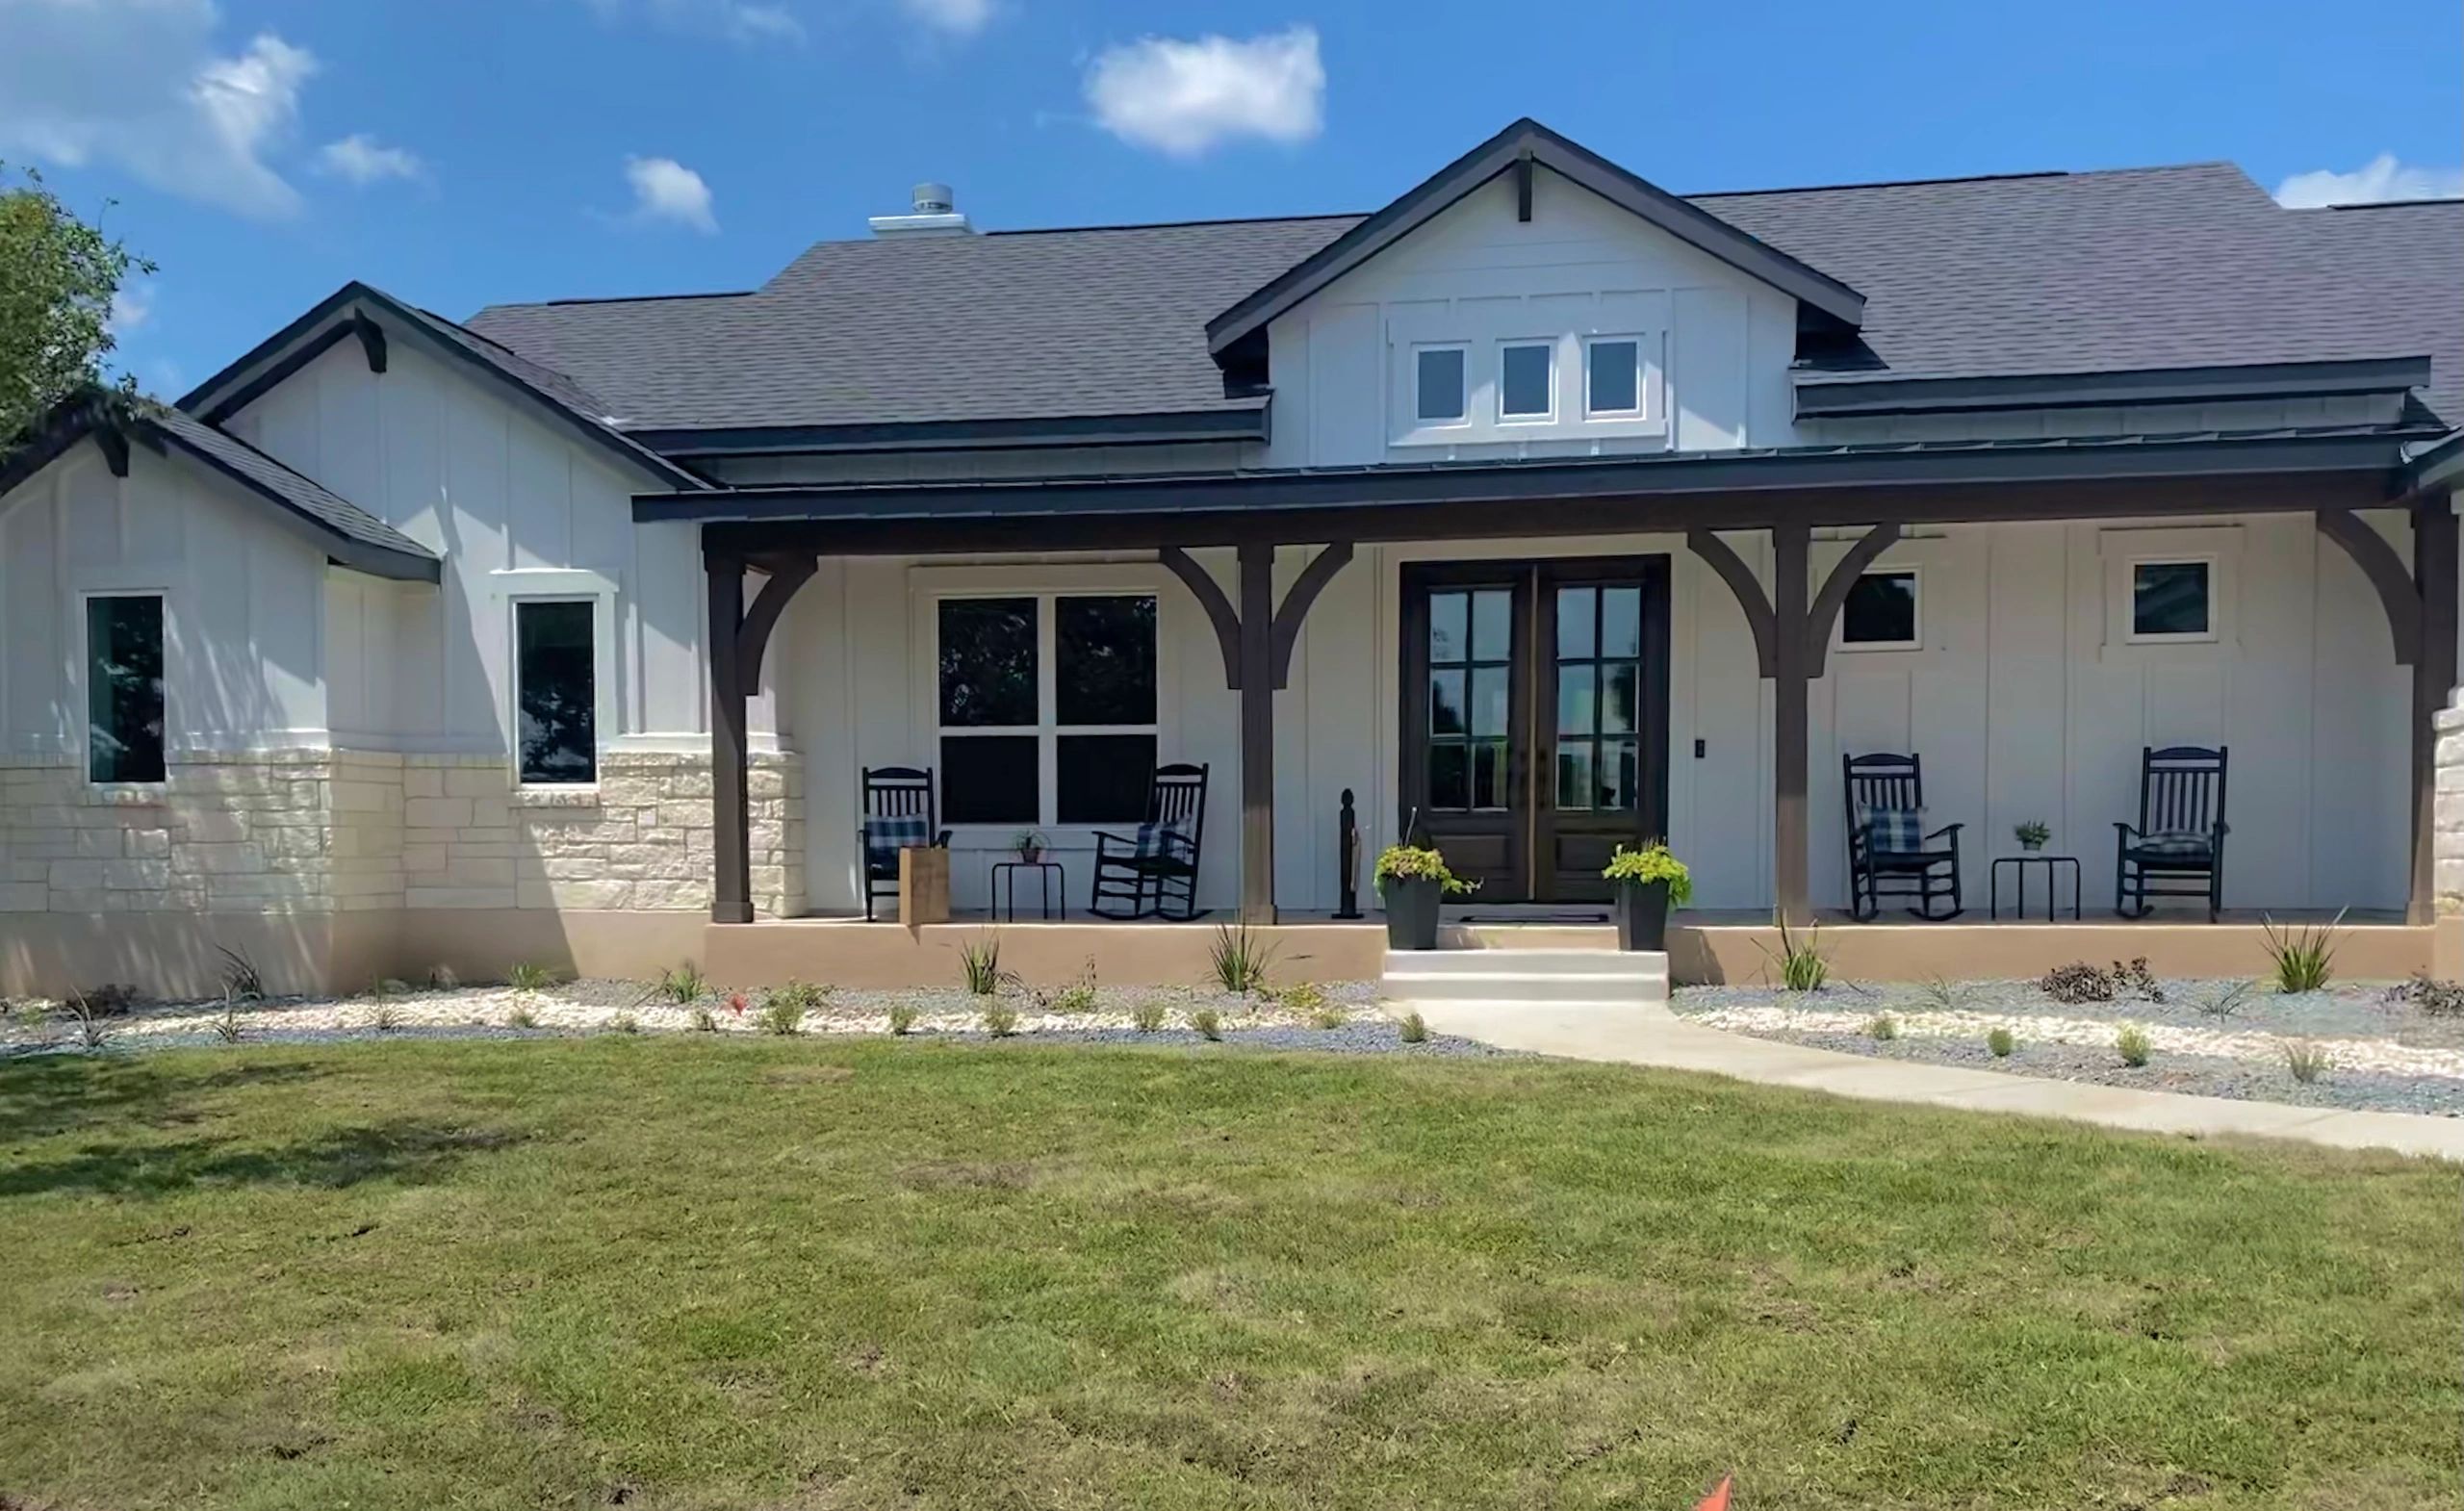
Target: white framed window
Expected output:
[1526,382]
[1441,384]
[1046,707]
[1884,611]
[1613,376]
[2173,600]
[127,708]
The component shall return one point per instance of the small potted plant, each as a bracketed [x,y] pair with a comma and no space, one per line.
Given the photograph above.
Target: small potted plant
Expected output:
[1029,844]
[1646,882]
[1413,880]
[2033,834]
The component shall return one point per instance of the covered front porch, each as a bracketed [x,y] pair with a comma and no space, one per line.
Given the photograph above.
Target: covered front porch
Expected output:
[1294,619]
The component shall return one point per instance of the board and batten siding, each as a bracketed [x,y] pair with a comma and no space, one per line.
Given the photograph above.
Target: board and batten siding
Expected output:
[500,492]
[244,658]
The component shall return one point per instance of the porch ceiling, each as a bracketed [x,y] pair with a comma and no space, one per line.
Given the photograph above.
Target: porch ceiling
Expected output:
[1906,482]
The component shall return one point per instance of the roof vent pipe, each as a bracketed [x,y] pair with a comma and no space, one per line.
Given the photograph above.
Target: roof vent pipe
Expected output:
[936,214]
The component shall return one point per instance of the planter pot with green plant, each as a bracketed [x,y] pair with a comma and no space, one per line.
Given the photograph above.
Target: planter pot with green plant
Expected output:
[1413,880]
[1029,844]
[2033,834]
[1646,884]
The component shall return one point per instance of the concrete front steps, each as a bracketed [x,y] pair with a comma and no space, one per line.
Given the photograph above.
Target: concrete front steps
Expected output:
[1558,977]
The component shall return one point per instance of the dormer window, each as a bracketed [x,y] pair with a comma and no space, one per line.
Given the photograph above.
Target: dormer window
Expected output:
[1613,376]
[1439,385]
[1525,370]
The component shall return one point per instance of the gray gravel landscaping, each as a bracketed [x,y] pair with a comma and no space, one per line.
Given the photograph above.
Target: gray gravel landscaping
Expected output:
[2206,1037]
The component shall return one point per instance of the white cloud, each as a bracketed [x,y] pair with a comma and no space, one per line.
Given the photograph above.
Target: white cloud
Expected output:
[1184,97]
[737,20]
[363,159]
[2381,178]
[953,17]
[132,306]
[666,190]
[144,85]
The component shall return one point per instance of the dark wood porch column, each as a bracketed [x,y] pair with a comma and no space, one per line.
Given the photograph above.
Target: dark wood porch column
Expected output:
[1790,888]
[730,819]
[1257,732]
[2434,567]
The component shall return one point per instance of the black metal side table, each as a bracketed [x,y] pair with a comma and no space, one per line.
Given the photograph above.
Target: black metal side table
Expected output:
[2019,872]
[1005,886]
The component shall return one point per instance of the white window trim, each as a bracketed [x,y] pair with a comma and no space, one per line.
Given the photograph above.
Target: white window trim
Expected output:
[81,679]
[1542,418]
[2131,633]
[1643,372]
[936,586]
[1412,397]
[558,585]
[1839,640]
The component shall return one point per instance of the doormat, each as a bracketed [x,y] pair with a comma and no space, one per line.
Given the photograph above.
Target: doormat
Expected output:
[1576,918]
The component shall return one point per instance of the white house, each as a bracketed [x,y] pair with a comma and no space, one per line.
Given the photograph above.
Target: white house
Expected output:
[1540,510]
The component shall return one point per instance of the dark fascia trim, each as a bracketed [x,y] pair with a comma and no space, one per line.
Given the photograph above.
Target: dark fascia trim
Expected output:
[1741,492]
[345,551]
[346,313]
[1247,421]
[1826,395]
[2438,465]
[1528,139]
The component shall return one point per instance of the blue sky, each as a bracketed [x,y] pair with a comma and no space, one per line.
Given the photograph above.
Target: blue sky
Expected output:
[462,152]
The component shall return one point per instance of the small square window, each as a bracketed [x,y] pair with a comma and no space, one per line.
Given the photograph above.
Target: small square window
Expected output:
[1614,378]
[1881,611]
[556,681]
[1523,382]
[2172,600]
[124,689]
[1437,385]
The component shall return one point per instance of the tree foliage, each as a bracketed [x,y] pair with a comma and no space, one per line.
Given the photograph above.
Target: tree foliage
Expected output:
[58,275]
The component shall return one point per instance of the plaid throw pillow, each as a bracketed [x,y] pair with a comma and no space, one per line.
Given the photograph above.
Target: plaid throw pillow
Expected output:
[1894,831]
[887,834]
[1156,840]
[2178,842]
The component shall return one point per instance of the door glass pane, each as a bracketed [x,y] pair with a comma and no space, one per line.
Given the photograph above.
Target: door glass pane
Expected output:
[1492,625]
[1104,659]
[553,678]
[1574,775]
[1102,778]
[989,779]
[1617,774]
[1617,698]
[1450,778]
[1621,622]
[1446,703]
[1448,640]
[1575,612]
[124,689]
[1489,701]
[988,661]
[1574,705]
[1488,774]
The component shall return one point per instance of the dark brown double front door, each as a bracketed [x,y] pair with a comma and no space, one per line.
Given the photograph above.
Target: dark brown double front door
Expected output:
[1535,718]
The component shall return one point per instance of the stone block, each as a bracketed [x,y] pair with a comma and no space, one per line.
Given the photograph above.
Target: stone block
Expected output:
[684,814]
[145,843]
[219,860]
[422,781]
[136,876]
[436,812]
[672,896]
[76,875]
[477,781]
[467,871]
[24,897]
[459,897]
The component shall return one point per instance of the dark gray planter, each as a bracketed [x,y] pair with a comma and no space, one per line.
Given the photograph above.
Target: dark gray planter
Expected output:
[1411,912]
[1642,916]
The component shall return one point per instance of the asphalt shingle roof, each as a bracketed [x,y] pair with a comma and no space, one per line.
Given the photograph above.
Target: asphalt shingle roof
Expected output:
[2047,273]
[305,495]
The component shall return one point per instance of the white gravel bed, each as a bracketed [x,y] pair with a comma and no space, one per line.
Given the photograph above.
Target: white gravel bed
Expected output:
[602,1006]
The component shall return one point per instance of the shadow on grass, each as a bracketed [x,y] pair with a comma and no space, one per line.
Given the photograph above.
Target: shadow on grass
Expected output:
[46,1095]
[405,1149]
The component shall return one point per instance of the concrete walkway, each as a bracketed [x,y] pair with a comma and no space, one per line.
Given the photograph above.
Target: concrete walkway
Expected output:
[1657,1036]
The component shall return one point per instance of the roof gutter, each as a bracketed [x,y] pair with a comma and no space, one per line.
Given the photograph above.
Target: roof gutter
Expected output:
[1832,396]
[1247,421]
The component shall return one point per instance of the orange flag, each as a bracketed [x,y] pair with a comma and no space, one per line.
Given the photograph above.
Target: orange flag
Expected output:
[1718,1499]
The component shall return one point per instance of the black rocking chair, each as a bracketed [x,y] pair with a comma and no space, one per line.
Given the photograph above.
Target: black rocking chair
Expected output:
[898,814]
[1927,873]
[2180,833]
[1154,874]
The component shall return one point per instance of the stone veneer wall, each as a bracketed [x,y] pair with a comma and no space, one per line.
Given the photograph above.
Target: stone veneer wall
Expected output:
[2448,780]
[340,831]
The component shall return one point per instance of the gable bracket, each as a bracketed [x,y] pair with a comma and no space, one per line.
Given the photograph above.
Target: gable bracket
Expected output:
[1523,186]
[371,339]
[113,442]
[2387,572]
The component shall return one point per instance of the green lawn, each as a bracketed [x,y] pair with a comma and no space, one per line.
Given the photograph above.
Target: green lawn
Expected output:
[686,1272]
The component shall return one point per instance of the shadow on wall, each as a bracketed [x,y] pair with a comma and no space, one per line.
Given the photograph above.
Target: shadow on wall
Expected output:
[163,955]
